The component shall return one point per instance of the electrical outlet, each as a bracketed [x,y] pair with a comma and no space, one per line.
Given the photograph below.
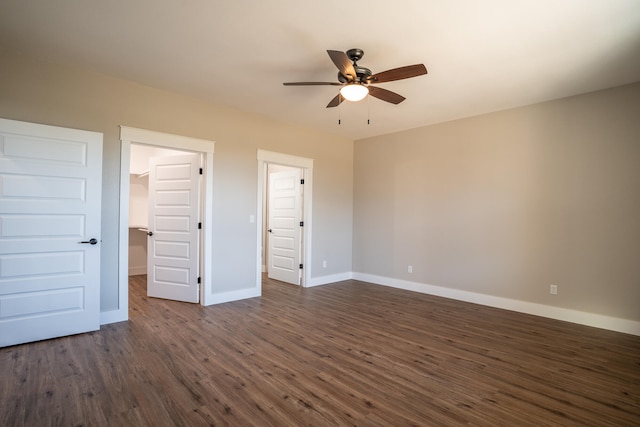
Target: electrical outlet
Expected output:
[553,289]
[410,269]
[324,264]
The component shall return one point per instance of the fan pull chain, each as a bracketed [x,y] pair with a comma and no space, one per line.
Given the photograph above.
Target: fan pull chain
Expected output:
[339,109]
[368,108]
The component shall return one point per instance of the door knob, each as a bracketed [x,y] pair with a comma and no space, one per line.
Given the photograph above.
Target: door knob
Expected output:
[149,233]
[270,231]
[91,241]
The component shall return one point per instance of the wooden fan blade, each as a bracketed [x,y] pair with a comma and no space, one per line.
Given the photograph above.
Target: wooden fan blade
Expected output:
[398,74]
[386,95]
[344,65]
[336,101]
[313,84]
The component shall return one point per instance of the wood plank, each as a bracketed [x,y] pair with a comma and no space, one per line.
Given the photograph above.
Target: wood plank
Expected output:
[350,353]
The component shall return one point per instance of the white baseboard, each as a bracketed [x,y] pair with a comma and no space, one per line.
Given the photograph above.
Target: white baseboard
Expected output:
[558,313]
[574,316]
[324,280]
[135,271]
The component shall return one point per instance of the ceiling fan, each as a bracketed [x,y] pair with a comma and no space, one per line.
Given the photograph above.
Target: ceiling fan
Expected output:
[357,81]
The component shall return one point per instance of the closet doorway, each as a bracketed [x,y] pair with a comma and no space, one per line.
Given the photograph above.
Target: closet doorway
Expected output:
[205,150]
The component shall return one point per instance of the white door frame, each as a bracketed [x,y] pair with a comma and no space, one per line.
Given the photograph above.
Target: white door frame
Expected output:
[129,135]
[306,165]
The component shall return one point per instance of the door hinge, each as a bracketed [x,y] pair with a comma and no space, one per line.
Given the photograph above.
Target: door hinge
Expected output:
[199,226]
[300,266]
[301,223]
[199,280]
[200,171]
[302,181]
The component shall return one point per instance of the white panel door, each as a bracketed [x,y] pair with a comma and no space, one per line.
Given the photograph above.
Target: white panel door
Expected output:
[285,213]
[174,206]
[50,201]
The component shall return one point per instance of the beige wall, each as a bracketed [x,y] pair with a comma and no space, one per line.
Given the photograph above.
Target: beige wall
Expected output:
[501,204]
[47,93]
[506,204]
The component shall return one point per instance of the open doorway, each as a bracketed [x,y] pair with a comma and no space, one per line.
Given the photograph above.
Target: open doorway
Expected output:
[296,172]
[205,149]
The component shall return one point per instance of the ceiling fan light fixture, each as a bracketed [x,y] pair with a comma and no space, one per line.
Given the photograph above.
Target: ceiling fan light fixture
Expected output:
[354,91]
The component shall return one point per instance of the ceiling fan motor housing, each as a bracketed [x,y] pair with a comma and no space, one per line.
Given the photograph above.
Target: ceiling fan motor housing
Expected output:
[362,74]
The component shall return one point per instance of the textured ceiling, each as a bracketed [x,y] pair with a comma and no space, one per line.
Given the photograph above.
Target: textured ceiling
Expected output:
[482,56]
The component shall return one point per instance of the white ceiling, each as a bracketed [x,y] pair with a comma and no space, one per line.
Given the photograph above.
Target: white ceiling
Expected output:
[482,55]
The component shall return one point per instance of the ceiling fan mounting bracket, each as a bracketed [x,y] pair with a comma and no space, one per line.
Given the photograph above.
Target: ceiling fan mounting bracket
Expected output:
[355,55]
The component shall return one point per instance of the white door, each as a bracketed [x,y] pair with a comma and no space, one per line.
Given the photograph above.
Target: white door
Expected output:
[173,242]
[50,201]
[283,225]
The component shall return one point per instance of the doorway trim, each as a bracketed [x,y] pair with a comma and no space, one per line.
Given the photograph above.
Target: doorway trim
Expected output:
[129,135]
[306,164]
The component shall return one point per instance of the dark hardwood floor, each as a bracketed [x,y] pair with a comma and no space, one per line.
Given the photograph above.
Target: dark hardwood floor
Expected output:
[343,354]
